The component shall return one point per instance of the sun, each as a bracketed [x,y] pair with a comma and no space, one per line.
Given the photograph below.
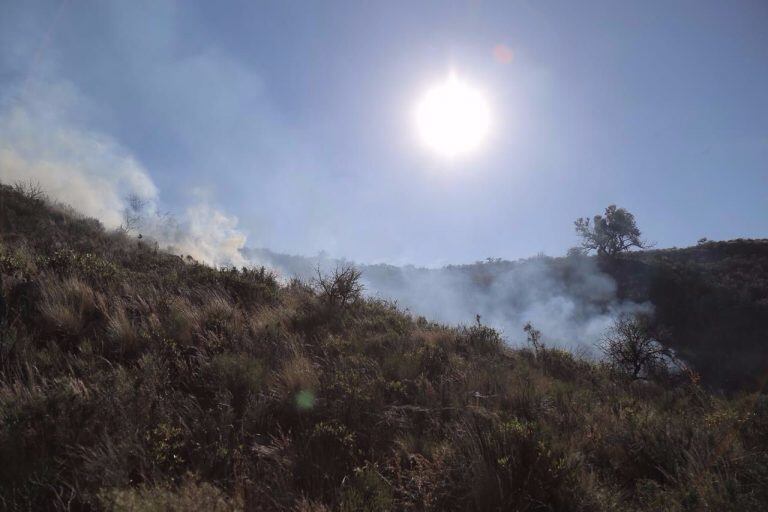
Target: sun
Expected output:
[453,118]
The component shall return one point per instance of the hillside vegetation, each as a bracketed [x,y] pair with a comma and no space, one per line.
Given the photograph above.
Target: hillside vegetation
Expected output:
[712,300]
[132,379]
[709,302]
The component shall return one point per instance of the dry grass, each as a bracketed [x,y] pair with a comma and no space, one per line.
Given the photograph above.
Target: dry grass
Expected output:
[67,305]
[276,401]
[121,332]
[297,374]
[182,320]
[220,319]
[190,495]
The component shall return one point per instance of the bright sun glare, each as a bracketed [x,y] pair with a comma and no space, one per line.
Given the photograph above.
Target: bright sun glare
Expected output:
[453,118]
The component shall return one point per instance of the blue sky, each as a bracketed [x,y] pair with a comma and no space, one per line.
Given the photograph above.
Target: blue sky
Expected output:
[295,116]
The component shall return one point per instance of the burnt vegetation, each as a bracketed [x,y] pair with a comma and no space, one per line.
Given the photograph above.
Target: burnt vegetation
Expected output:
[133,379]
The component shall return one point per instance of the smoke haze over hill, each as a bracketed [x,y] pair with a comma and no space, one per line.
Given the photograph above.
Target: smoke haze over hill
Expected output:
[569,299]
[41,142]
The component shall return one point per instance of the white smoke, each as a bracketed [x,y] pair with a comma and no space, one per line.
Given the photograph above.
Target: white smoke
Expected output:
[42,142]
[202,232]
[570,299]
[87,170]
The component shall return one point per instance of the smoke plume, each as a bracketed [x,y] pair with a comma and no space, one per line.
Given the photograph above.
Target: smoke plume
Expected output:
[569,299]
[42,142]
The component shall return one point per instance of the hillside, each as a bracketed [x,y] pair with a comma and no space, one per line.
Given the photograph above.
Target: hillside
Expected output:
[133,379]
[710,302]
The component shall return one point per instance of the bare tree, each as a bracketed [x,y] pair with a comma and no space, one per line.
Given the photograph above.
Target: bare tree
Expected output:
[342,287]
[133,213]
[609,234]
[533,336]
[631,347]
[30,189]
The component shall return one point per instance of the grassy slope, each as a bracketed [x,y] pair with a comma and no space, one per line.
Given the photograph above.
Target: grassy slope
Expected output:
[133,380]
[711,300]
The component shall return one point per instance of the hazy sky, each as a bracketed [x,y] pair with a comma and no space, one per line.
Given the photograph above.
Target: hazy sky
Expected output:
[296,116]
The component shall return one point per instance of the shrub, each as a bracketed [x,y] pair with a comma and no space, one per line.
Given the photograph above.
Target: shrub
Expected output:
[326,453]
[340,289]
[481,340]
[250,286]
[511,465]
[630,346]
